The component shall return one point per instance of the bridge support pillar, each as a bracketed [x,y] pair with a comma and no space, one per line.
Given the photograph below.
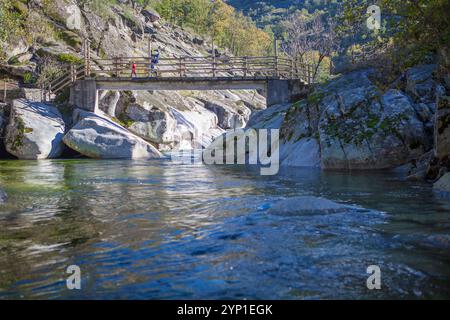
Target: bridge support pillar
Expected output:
[285,91]
[84,95]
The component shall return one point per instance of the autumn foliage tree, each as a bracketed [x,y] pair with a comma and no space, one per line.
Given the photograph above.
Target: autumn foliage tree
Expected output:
[311,39]
[217,20]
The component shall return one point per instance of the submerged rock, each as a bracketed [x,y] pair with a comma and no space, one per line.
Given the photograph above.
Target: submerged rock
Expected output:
[306,205]
[35,131]
[99,137]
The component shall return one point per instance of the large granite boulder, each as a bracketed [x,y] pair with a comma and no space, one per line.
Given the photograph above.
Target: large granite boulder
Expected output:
[108,101]
[151,123]
[362,128]
[228,117]
[299,144]
[35,131]
[270,118]
[97,136]
[301,153]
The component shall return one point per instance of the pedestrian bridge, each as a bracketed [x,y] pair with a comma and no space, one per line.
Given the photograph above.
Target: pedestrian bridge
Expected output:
[280,79]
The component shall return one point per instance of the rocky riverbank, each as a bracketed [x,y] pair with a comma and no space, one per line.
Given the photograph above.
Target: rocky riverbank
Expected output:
[354,122]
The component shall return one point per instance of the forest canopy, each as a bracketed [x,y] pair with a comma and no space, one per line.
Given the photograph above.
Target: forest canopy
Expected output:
[228,27]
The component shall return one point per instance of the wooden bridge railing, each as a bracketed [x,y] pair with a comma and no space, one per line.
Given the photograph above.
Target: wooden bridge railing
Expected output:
[271,67]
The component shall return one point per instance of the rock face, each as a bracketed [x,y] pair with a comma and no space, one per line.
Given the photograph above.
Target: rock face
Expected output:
[302,153]
[35,131]
[351,123]
[442,186]
[362,128]
[34,95]
[228,118]
[174,120]
[151,124]
[101,138]
[150,15]
[367,132]
[306,205]
[419,82]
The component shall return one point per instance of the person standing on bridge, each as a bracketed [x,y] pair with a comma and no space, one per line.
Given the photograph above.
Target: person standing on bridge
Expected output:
[155,61]
[133,69]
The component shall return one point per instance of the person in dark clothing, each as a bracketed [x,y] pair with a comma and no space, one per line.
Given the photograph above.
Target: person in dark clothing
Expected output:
[155,60]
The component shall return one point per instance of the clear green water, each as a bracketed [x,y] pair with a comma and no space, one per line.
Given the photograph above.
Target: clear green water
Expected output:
[154,229]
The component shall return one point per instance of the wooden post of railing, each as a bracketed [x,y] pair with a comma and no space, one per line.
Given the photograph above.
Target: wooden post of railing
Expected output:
[276,57]
[306,72]
[41,86]
[4,89]
[245,66]
[180,66]
[309,73]
[49,91]
[150,49]
[292,68]
[116,66]
[72,73]
[214,60]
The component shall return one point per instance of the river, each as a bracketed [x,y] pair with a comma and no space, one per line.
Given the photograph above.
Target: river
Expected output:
[155,229]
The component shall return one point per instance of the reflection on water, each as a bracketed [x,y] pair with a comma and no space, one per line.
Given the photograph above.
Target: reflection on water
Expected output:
[152,229]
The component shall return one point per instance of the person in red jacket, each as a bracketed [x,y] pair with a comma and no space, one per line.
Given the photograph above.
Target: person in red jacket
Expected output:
[133,70]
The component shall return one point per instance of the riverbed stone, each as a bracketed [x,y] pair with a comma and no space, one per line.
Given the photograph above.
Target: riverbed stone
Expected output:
[306,205]
[97,136]
[35,131]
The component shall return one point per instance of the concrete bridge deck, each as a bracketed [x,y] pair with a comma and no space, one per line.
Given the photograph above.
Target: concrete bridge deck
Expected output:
[185,83]
[84,94]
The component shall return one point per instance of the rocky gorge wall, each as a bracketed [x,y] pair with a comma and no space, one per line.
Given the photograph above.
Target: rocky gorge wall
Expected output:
[158,117]
[353,122]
